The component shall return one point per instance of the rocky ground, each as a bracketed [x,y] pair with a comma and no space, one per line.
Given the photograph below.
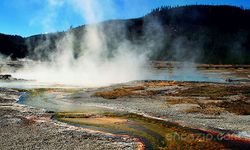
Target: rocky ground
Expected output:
[219,107]
[23,127]
[216,107]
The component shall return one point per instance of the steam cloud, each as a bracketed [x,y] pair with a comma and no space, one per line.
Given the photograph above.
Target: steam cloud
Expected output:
[92,66]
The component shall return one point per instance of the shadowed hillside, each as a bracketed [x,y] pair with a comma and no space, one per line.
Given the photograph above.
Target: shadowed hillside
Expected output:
[204,34]
[215,34]
[13,46]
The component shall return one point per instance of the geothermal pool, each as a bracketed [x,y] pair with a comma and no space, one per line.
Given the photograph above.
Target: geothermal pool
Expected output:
[196,75]
[72,105]
[154,133]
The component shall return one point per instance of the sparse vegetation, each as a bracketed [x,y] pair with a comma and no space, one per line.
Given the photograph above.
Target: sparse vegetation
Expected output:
[217,98]
[211,98]
[239,107]
[161,83]
[119,92]
[214,91]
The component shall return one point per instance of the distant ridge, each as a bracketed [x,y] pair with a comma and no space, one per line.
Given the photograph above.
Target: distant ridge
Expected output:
[197,33]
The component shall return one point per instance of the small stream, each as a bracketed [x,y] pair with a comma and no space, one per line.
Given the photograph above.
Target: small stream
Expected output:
[155,134]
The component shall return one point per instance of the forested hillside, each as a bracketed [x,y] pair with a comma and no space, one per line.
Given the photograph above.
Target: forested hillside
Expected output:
[199,33]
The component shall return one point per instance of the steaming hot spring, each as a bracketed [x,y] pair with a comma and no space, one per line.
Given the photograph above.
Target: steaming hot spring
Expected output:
[128,84]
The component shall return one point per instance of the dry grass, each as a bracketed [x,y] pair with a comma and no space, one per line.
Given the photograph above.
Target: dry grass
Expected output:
[239,107]
[214,91]
[119,92]
[215,96]
[206,111]
[211,105]
[161,83]
[182,101]
[207,107]
[214,107]
[133,91]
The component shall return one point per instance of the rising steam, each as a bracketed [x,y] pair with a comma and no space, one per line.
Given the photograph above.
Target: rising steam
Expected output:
[92,66]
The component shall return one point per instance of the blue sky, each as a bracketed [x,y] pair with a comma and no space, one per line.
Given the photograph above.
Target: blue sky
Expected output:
[29,17]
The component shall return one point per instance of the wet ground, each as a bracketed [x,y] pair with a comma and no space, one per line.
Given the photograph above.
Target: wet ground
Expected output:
[158,114]
[24,127]
[201,107]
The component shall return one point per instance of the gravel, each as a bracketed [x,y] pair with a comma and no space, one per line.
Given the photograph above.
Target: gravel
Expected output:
[22,127]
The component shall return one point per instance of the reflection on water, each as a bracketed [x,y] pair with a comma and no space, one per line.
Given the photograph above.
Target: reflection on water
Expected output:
[187,74]
[54,100]
[61,100]
[23,84]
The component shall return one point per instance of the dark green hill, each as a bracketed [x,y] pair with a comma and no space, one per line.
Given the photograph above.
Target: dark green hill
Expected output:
[13,46]
[199,33]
